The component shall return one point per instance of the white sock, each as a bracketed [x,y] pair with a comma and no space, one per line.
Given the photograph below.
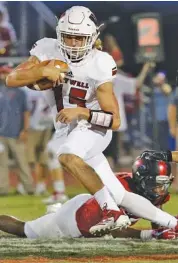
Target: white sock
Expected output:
[59,186]
[141,207]
[104,199]
[21,189]
[165,219]
[40,187]
[101,166]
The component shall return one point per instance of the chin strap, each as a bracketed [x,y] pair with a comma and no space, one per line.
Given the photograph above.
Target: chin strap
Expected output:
[101,118]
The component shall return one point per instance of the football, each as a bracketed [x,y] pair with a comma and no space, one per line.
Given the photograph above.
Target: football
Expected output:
[44,84]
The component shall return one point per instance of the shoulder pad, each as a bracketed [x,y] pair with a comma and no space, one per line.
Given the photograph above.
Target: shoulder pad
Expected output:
[43,47]
[104,69]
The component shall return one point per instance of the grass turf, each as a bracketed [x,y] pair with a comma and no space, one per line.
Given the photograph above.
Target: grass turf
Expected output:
[30,207]
[87,260]
[79,248]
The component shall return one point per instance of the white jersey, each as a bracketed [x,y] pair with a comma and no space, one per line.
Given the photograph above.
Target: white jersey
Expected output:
[81,81]
[41,117]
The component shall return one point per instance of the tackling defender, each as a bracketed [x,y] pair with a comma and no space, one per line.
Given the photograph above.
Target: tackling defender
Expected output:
[149,178]
[85,111]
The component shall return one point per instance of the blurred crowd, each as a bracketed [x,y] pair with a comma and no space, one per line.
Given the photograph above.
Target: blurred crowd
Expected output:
[148,108]
[8,39]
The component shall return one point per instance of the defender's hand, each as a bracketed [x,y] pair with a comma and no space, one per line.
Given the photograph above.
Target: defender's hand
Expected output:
[157,155]
[164,233]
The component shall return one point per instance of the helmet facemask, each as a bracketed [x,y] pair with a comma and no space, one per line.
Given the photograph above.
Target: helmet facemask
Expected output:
[161,189]
[156,188]
[77,22]
[76,53]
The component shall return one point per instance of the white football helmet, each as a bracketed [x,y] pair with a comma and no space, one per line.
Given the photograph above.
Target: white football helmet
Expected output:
[78,21]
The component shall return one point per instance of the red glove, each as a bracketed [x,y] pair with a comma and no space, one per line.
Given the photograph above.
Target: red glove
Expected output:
[165,233]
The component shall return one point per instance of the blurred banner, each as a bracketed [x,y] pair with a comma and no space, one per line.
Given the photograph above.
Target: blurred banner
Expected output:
[149,37]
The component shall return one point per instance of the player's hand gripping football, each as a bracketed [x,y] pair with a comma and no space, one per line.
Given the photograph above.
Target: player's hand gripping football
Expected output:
[54,73]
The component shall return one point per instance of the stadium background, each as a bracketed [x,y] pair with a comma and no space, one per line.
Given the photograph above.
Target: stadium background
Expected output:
[32,21]
[123,30]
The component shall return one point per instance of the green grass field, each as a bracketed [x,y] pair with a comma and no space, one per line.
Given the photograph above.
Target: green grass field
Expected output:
[29,207]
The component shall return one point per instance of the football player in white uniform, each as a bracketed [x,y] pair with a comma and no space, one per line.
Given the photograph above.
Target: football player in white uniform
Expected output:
[85,112]
[41,124]
[57,175]
[75,218]
[41,150]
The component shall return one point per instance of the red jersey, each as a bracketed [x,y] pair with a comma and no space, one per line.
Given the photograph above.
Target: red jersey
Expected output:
[90,213]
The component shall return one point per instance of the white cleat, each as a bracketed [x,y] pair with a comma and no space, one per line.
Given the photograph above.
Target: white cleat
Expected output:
[122,222]
[111,220]
[55,198]
[102,228]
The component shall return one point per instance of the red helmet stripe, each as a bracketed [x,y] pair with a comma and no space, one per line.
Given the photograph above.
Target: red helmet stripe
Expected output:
[162,168]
